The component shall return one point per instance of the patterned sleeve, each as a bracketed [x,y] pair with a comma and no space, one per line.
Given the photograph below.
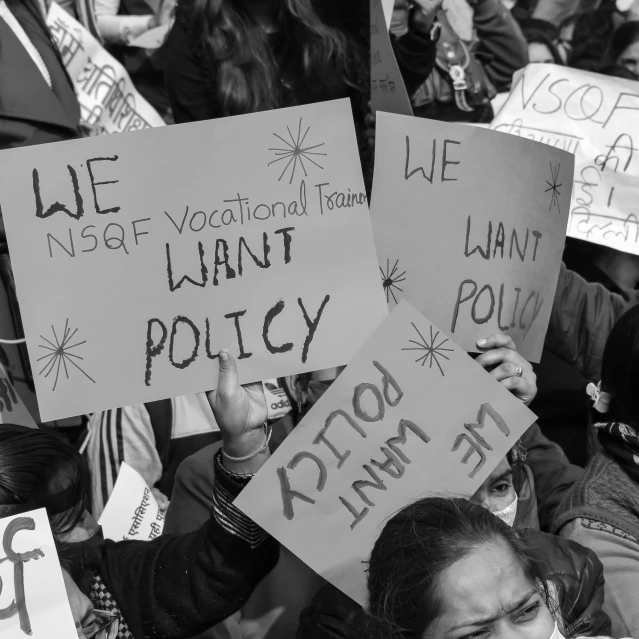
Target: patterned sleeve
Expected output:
[227,487]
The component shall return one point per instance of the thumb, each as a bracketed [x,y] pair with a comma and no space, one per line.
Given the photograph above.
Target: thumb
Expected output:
[227,385]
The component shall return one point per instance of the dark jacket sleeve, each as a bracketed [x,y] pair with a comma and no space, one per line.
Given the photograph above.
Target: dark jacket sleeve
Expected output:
[502,47]
[582,317]
[577,574]
[188,91]
[178,586]
[331,615]
[415,55]
[554,475]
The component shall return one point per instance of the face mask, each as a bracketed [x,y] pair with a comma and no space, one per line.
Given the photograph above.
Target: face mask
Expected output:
[507,515]
[556,634]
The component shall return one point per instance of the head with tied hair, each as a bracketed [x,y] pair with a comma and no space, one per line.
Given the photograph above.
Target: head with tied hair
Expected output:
[620,369]
[247,77]
[416,549]
[39,469]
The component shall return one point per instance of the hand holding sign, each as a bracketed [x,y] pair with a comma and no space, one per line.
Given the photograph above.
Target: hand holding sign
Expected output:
[240,412]
[470,227]
[411,414]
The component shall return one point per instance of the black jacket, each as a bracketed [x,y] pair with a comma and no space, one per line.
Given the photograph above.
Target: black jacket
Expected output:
[31,112]
[177,586]
[576,573]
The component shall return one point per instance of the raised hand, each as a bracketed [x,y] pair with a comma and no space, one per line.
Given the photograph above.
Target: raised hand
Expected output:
[501,359]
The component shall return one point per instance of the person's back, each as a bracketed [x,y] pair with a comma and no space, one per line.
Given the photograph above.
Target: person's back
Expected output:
[37,99]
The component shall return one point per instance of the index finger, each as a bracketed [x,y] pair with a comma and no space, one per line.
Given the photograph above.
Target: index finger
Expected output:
[497,340]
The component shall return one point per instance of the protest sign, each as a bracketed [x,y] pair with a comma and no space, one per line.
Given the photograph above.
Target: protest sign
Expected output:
[132,511]
[441,423]
[470,227]
[108,99]
[33,598]
[388,92]
[595,117]
[138,256]
[12,408]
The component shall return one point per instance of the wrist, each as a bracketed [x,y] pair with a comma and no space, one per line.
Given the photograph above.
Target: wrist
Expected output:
[238,447]
[422,21]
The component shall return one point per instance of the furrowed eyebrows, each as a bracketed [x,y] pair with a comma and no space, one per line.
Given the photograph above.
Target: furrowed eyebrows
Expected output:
[515,606]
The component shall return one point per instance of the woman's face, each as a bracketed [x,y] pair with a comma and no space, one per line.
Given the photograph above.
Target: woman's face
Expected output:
[81,608]
[539,53]
[486,595]
[630,58]
[497,492]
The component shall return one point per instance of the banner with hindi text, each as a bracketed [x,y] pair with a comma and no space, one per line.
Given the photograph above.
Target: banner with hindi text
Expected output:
[33,597]
[596,118]
[109,102]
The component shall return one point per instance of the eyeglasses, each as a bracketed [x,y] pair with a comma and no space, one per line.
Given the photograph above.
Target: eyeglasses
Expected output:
[108,625]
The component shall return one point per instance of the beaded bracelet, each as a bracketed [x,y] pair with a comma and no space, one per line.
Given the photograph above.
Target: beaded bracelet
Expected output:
[268,431]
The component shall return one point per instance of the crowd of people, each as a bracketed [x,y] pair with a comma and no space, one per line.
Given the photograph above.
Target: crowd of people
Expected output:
[547,547]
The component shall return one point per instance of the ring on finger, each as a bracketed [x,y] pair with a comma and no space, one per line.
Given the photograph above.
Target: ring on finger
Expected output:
[518,371]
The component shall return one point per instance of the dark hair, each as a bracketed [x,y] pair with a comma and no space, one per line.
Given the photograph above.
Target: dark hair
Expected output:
[30,461]
[416,546]
[246,76]
[620,368]
[591,36]
[618,71]
[537,37]
[626,35]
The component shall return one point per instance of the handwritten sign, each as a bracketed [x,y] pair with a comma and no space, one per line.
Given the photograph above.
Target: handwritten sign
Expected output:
[596,118]
[412,414]
[132,511]
[138,256]
[470,227]
[33,597]
[108,99]
[388,92]
[12,408]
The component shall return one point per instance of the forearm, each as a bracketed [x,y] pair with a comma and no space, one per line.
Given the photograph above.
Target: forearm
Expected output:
[415,54]
[582,317]
[180,585]
[502,47]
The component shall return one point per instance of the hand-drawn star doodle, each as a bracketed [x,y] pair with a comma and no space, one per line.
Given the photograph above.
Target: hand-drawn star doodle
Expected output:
[295,152]
[60,355]
[391,278]
[432,351]
[553,187]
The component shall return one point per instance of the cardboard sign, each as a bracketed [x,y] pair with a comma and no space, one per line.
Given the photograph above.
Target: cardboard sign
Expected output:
[470,227]
[132,511]
[108,99]
[388,92]
[137,257]
[33,598]
[597,118]
[411,415]
[12,408]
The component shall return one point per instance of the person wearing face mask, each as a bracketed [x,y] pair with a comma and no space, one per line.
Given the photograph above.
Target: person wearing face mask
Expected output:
[274,605]
[176,585]
[447,568]
[522,496]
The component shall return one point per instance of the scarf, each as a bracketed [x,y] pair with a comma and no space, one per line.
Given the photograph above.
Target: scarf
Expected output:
[621,442]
